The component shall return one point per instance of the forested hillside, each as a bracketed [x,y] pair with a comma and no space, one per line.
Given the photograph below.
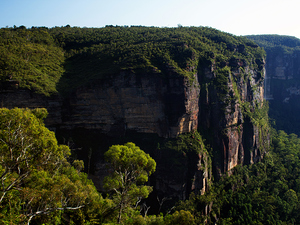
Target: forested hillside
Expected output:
[217,168]
[38,57]
[31,58]
[270,41]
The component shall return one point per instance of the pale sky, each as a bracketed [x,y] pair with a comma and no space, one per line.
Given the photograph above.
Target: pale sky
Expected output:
[239,17]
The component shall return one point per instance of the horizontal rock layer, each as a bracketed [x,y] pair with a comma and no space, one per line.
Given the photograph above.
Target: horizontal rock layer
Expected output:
[146,103]
[166,106]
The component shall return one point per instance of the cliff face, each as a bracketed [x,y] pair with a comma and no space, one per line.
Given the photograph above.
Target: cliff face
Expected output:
[282,79]
[28,99]
[148,104]
[166,106]
[163,89]
[169,106]
[231,131]
[283,73]
[145,103]
[283,89]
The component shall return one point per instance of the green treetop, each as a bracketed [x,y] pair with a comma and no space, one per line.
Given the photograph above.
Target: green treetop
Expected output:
[131,168]
[37,182]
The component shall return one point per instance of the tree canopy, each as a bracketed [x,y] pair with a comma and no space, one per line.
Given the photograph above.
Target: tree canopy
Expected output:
[131,168]
[37,181]
[63,58]
[30,57]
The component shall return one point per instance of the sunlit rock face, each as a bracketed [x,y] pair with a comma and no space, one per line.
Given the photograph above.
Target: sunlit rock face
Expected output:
[234,137]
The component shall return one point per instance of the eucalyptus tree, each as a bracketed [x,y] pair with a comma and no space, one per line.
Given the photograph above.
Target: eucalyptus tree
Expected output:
[131,167]
[36,180]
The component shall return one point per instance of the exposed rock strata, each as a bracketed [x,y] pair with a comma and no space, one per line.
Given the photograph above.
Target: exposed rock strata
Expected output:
[146,103]
[27,99]
[166,106]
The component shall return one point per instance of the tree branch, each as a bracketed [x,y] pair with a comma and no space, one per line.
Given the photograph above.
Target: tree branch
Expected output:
[49,210]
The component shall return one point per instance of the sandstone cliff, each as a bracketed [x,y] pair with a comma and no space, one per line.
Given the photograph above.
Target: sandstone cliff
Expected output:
[165,99]
[166,106]
[282,80]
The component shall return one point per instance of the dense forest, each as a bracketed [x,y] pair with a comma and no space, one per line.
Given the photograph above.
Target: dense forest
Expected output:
[42,182]
[270,41]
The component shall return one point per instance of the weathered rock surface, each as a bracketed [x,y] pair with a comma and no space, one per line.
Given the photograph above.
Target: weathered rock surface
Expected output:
[146,103]
[165,106]
[234,138]
[28,99]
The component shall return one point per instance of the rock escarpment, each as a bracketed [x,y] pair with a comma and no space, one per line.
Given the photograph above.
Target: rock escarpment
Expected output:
[173,92]
[145,103]
[282,80]
[231,130]
[166,106]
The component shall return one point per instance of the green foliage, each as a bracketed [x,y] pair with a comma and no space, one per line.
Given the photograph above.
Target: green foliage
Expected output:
[270,41]
[185,147]
[263,193]
[37,182]
[221,83]
[43,59]
[258,114]
[131,168]
[188,142]
[181,217]
[30,57]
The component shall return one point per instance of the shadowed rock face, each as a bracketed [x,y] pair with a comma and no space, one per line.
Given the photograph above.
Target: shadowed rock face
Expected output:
[166,106]
[146,103]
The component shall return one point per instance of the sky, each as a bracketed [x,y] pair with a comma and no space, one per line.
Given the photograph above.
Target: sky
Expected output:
[238,17]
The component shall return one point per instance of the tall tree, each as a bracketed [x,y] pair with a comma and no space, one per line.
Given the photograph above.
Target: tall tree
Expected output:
[131,168]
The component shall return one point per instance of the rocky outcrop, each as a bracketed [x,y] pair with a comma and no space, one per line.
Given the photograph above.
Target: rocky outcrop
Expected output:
[232,133]
[164,105]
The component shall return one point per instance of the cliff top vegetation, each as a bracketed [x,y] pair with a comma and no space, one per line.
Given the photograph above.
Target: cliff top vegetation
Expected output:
[272,41]
[60,59]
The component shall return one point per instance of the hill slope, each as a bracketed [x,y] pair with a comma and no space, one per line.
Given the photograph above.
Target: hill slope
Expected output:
[38,57]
